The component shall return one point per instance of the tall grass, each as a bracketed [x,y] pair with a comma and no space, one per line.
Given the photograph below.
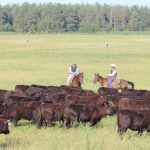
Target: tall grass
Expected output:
[44,59]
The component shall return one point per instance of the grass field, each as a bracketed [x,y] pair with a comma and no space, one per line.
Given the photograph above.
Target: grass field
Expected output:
[44,59]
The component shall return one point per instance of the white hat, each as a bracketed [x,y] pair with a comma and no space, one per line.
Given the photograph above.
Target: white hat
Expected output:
[113,65]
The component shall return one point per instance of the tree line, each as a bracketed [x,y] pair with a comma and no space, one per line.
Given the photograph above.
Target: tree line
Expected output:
[50,17]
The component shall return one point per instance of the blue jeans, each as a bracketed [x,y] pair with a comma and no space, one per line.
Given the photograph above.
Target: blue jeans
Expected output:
[110,80]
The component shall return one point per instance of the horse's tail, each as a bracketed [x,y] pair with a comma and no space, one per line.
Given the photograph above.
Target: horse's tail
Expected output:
[131,83]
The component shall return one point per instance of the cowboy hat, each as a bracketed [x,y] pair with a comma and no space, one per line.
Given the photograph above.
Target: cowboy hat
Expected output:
[113,65]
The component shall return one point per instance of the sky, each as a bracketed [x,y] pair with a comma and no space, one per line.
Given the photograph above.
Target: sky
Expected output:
[111,2]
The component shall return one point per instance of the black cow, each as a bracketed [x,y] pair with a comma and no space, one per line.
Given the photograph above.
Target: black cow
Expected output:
[116,99]
[48,113]
[132,104]
[136,120]
[21,88]
[18,98]
[91,100]
[76,90]
[2,108]
[54,98]
[32,90]
[146,95]
[107,91]
[23,110]
[85,113]
[142,94]
[2,95]
[55,89]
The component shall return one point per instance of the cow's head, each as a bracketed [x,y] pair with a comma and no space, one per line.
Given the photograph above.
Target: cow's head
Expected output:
[4,123]
[107,109]
[101,100]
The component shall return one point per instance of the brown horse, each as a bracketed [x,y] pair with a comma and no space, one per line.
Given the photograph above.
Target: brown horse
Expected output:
[77,80]
[117,84]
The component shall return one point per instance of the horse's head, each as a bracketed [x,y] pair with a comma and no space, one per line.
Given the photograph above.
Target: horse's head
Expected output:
[80,77]
[96,78]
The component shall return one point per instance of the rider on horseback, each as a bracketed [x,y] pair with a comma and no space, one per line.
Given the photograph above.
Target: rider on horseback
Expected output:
[73,71]
[112,75]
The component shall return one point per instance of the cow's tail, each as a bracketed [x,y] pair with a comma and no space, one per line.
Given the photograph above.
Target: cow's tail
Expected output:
[131,83]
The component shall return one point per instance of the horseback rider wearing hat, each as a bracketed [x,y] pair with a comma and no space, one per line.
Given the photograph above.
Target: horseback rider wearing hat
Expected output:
[112,75]
[73,71]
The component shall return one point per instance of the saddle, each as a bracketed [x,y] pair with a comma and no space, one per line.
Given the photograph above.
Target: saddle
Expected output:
[117,81]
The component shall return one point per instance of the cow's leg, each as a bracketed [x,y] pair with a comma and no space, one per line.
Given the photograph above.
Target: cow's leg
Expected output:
[60,123]
[49,118]
[124,122]
[14,121]
[66,122]
[39,123]
[74,118]
[148,128]
[49,123]
[93,122]
[121,130]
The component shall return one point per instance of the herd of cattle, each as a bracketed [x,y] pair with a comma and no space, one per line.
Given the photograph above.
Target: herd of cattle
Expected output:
[43,105]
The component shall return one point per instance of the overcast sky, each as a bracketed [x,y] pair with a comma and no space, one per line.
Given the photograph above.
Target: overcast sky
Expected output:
[111,2]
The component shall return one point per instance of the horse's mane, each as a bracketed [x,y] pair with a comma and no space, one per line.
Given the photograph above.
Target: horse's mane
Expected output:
[77,79]
[101,76]
[80,73]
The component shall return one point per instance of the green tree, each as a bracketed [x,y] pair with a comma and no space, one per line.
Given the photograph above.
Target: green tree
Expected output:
[135,20]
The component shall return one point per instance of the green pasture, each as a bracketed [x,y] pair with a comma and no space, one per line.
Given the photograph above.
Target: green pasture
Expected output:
[45,59]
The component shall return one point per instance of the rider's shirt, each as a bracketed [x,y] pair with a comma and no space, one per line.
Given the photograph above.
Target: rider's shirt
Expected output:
[113,73]
[73,70]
